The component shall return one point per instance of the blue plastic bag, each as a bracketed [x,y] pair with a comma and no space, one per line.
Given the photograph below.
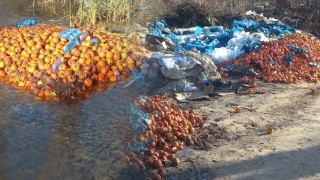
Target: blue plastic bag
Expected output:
[27,22]
[247,24]
[199,31]
[288,59]
[69,47]
[72,34]
[137,147]
[95,40]
[206,40]
[138,119]
[297,50]
[255,46]
[159,26]
[56,65]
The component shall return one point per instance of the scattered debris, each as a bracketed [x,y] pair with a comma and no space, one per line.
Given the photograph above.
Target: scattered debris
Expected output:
[186,97]
[313,91]
[269,131]
[178,72]
[237,110]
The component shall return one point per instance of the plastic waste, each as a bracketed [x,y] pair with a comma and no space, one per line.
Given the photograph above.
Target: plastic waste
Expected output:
[159,26]
[288,58]
[247,24]
[95,40]
[315,64]
[27,22]
[75,37]
[297,50]
[138,78]
[186,86]
[56,65]
[227,43]
[139,120]
[69,47]
[243,42]
[174,65]
[137,146]
[178,71]
[71,34]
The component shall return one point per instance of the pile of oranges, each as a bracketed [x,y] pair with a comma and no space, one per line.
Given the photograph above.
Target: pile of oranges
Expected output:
[272,64]
[171,129]
[28,54]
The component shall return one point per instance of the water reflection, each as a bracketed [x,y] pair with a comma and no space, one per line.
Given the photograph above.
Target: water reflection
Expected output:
[11,11]
[58,140]
[3,147]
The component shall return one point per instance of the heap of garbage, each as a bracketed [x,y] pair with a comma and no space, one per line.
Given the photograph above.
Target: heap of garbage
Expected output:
[258,46]
[223,44]
[57,61]
[178,72]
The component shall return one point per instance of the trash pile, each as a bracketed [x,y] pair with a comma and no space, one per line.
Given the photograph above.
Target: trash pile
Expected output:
[221,44]
[60,62]
[257,46]
[178,72]
[166,130]
[293,59]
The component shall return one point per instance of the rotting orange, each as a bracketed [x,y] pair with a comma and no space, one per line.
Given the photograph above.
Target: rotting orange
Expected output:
[88,82]
[237,110]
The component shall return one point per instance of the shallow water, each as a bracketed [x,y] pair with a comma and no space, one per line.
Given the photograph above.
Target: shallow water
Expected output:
[46,140]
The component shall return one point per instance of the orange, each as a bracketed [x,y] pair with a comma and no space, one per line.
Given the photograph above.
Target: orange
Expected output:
[116,56]
[88,82]
[101,63]
[109,55]
[237,110]
[102,54]
[109,74]
[113,78]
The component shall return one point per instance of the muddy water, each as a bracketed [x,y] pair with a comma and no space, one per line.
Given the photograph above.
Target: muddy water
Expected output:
[46,140]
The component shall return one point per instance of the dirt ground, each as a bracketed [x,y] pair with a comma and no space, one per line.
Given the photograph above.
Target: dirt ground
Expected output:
[238,146]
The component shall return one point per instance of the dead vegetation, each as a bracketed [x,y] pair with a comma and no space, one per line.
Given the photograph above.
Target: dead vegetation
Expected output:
[303,14]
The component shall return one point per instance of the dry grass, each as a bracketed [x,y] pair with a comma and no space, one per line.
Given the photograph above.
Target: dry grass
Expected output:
[118,11]
[53,6]
[94,12]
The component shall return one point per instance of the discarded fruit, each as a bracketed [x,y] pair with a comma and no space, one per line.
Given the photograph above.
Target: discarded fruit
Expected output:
[237,110]
[157,164]
[162,172]
[175,161]
[157,177]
